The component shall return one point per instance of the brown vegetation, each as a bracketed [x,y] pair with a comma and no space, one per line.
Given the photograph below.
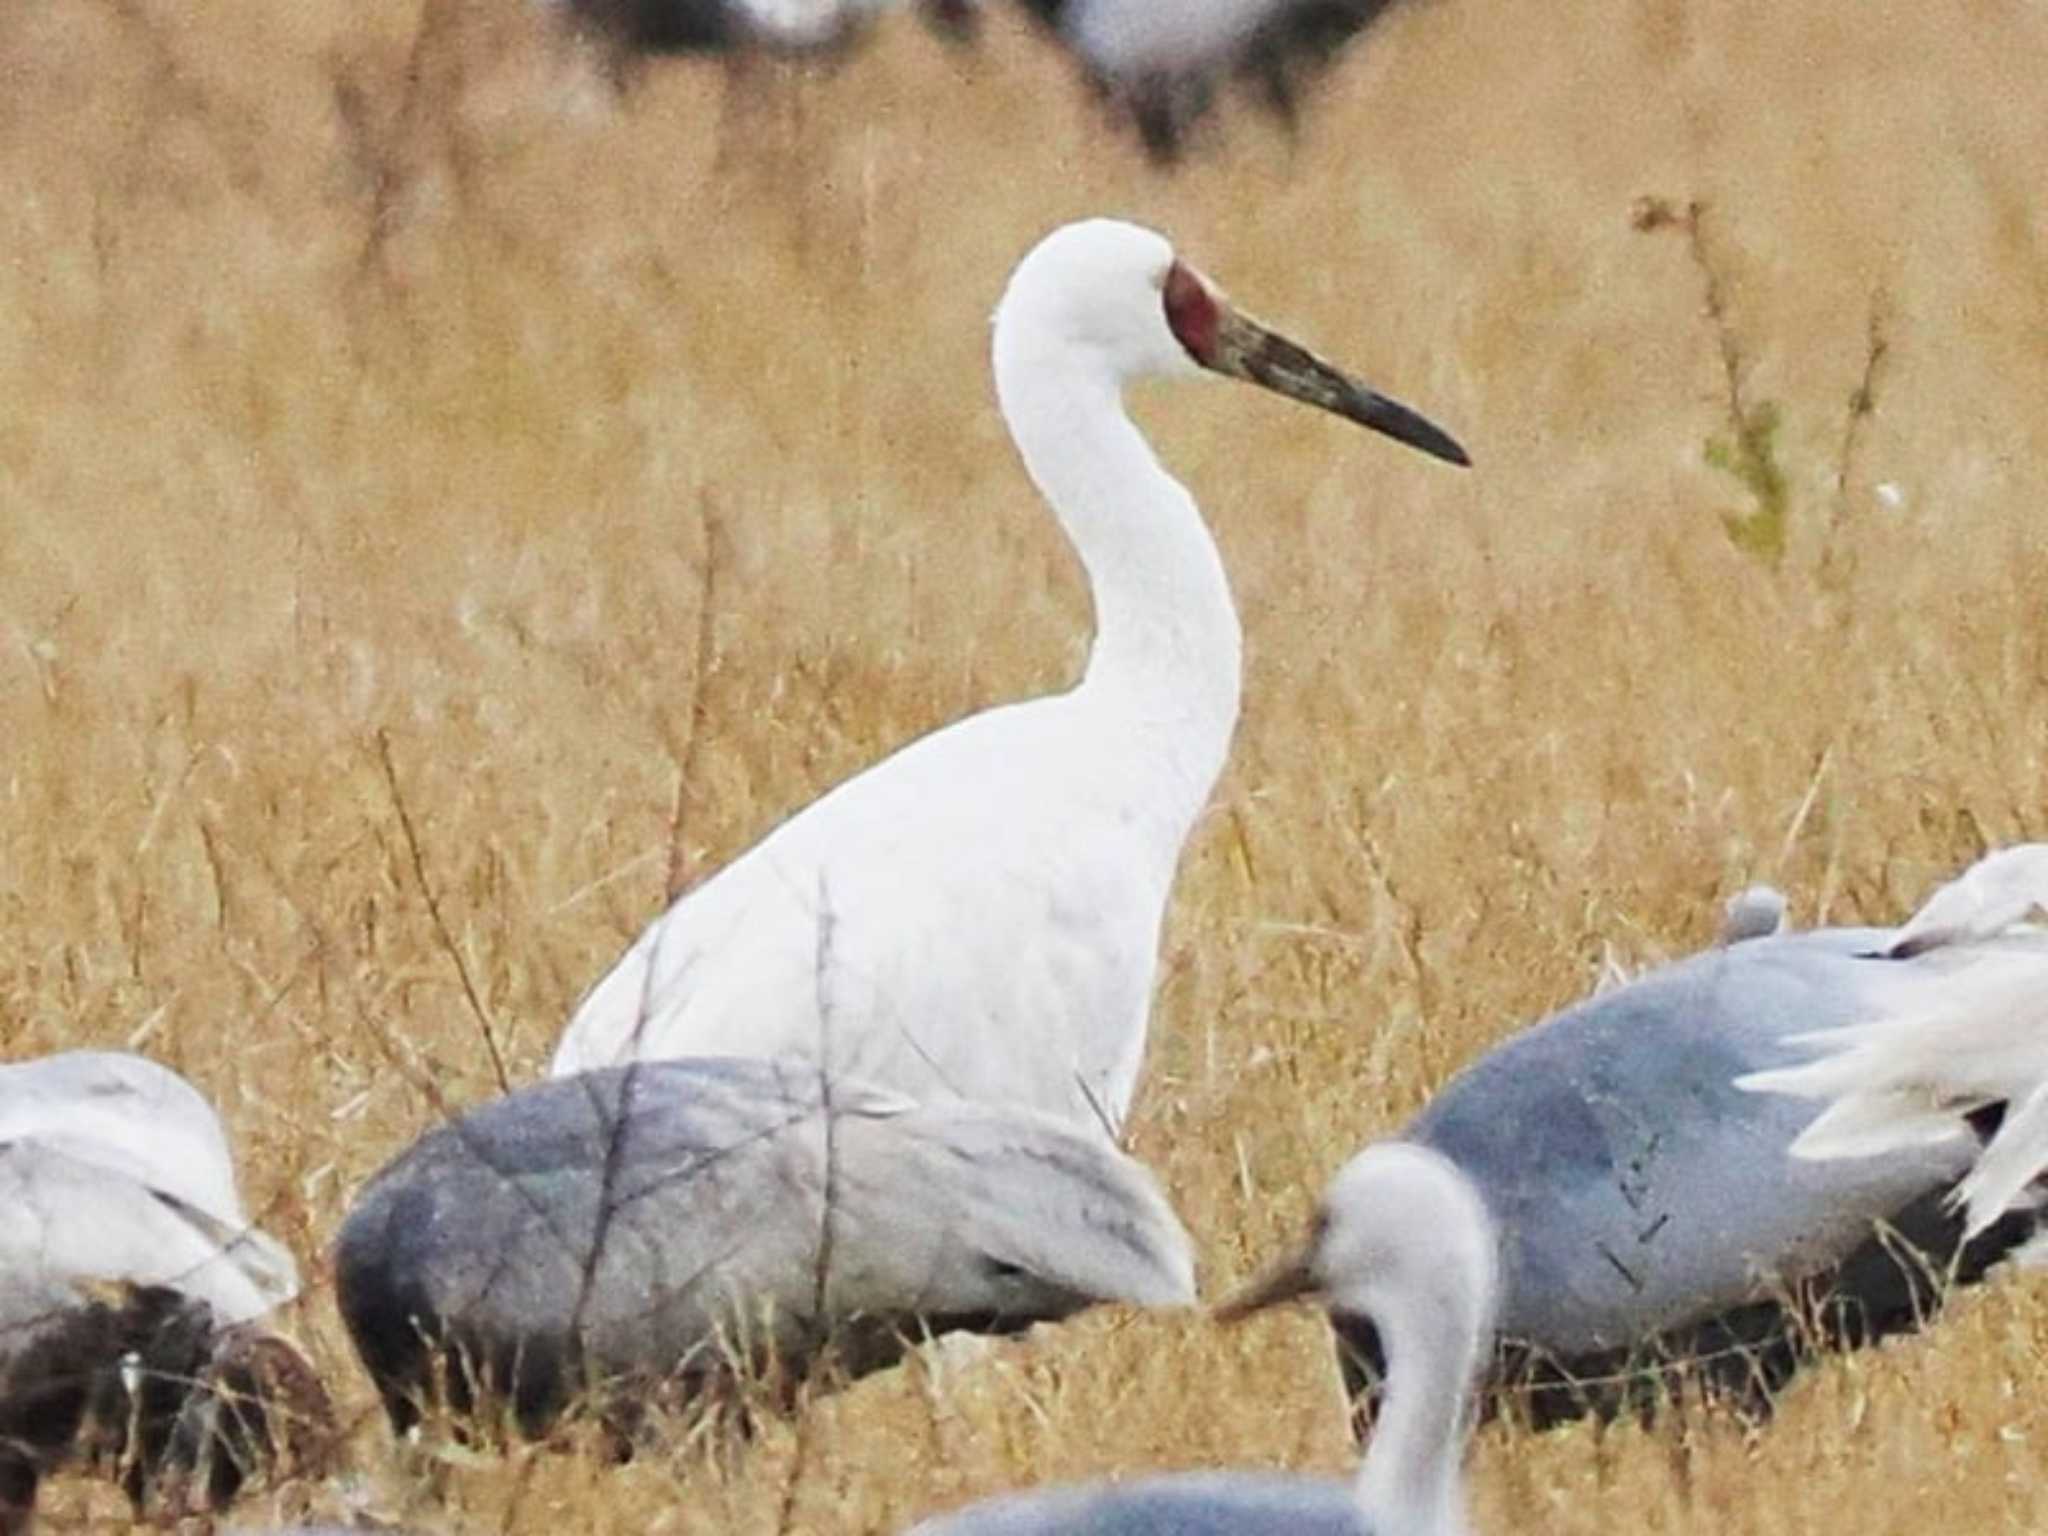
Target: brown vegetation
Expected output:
[424,475]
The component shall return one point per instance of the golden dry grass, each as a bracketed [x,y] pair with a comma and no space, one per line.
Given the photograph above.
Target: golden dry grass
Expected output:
[370,370]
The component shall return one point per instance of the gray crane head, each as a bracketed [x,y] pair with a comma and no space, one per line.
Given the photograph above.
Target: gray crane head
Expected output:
[1755,912]
[1398,1222]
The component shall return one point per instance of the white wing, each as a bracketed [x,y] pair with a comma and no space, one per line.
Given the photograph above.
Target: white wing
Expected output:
[1985,900]
[126,1114]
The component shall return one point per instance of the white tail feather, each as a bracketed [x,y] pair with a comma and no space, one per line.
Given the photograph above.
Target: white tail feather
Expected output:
[1870,1124]
[1845,1065]
[2014,1159]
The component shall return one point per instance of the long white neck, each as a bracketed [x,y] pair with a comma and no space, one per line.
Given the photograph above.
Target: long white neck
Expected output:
[1410,1484]
[1168,656]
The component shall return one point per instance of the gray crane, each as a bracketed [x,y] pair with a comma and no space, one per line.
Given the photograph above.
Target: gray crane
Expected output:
[1653,1221]
[667,1230]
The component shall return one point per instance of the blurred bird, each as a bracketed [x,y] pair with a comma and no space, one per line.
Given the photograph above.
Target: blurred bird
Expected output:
[1917,1068]
[1401,1239]
[1162,65]
[1158,65]
[668,1230]
[709,26]
[979,915]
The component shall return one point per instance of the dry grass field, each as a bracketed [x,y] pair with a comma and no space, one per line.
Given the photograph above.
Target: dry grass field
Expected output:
[425,475]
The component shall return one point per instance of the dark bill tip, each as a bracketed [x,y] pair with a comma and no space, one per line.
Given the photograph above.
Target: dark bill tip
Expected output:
[1410,427]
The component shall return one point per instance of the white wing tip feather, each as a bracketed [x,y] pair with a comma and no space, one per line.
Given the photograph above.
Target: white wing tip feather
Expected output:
[1845,1069]
[1871,1124]
[1983,901]
[2006,1169]
[1989,1190]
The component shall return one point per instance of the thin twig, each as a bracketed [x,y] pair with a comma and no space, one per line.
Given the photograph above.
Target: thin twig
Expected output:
[821,1275]
[1748,452]
[716,546]
[1838,556]
[419,870]
[1877,347]
[822,964]
[1806,803]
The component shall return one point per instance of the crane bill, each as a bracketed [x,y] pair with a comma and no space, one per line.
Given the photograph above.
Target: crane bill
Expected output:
[1291,1278]
[1245,349]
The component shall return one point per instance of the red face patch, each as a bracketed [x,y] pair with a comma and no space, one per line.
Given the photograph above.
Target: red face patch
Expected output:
[1191,312]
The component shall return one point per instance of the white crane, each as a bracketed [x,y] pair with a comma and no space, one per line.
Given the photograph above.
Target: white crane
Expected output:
[1402,1239]
[1914,1074]
[979,914]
